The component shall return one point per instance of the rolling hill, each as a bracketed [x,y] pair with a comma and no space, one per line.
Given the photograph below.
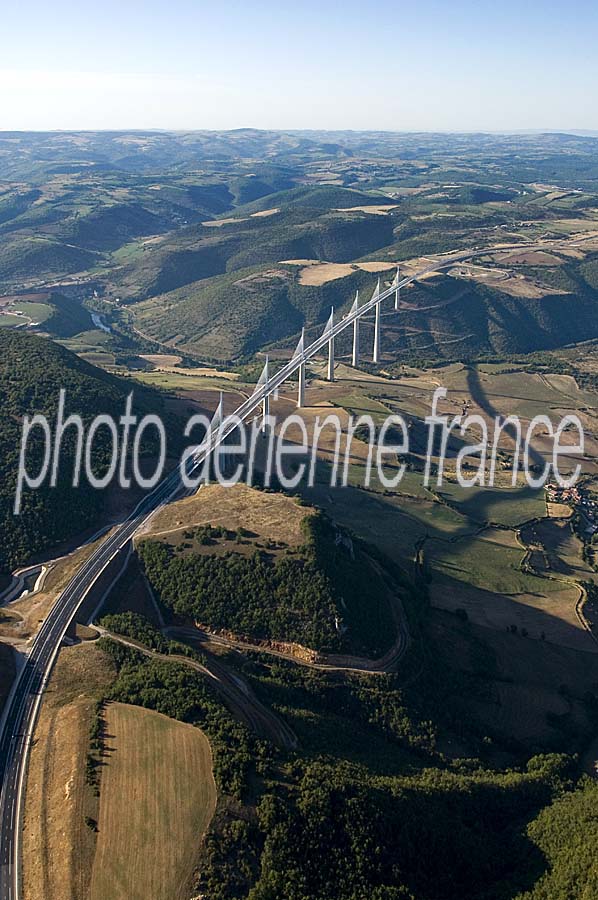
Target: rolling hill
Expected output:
[448,317]
[33,370]
[200,236]
[20,257]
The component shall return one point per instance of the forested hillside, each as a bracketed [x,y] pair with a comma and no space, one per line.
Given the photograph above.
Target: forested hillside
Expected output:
[33,371]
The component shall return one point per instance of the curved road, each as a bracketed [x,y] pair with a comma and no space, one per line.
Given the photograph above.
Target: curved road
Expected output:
[236,693]
[23,704]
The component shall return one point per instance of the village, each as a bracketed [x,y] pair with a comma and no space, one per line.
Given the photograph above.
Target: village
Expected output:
[581,502]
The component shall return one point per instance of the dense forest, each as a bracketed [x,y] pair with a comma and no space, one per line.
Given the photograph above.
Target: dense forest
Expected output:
[33,371]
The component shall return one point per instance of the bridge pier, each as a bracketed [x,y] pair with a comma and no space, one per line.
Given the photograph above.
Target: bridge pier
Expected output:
[376,354]
[355,355]
[331,359]
[299,353]
[331,350]
[301,392]
[398,290]
[266,400]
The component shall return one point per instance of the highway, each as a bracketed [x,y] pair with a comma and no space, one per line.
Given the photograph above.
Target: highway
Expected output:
[23,704]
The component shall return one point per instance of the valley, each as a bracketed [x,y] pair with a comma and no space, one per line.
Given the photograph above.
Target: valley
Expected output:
[219,264]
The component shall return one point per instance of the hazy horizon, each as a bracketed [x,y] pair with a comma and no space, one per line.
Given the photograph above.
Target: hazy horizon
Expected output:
[581,132]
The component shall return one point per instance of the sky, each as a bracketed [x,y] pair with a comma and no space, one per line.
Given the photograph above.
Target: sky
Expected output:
[381,65]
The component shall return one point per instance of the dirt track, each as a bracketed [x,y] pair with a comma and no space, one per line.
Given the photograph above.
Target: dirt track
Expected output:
[236,693]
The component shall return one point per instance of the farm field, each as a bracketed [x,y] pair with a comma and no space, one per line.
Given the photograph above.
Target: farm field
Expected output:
[172,381]
[487,392]
[157,799]
[556,549]
[358,404]
[489,560]
[58,848]
[378,519]
[484,575]
[502,506]
[411,483]
[523,677]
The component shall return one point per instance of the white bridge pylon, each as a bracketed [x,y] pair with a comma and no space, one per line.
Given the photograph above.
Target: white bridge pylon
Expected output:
[329,332]
[354,308]
[375,299]
[397,288]
[217,417]
[299,354]
[263,379]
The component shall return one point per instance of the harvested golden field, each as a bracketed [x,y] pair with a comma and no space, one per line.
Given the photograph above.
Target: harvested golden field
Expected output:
[505,280]
[525,287]
[264,213]
[157,800]
[274,516]
[299,262]
[574,226]
[376,210]
[160,360]
[58,847]
[9,299]
[376,266]
[558,510]
[218,223]
[163,362]
[571,253]
[314,272]
[321,273]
